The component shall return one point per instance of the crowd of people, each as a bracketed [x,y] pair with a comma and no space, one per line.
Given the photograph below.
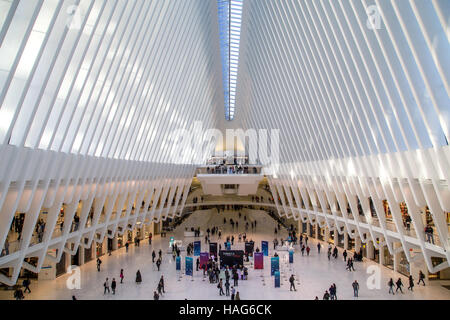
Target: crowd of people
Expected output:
[221,276]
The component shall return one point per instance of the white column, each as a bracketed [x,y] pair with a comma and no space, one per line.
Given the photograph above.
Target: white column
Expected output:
[345,239]
[80,255]
[381,255]
[357,243]
[370,249]
[327,234]
[115,243]
[396,256]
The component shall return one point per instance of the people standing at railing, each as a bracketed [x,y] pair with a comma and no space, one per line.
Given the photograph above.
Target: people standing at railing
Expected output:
[429,233]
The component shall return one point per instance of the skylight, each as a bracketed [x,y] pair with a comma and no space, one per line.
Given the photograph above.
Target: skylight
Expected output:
[230,18]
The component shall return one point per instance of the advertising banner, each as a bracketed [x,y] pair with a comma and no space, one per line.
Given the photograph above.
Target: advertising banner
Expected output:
[265,248]
[291,256]
[189,266]
[197,246]
[259,260]
[249,247]
[274,265]
[277,279]
[178,263]
[204,257]
[231,257]
[213,249]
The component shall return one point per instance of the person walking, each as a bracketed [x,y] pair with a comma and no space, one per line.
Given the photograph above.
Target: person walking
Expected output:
[232,293]
[345,255]
[26,283]
[235,278]
[161,282]
[332,294]
[335,252]
[307,250]
[138,277]
[155,295]
[197,263]
[121,276]
[160,254]
[303,250]
[113,286]
[126,246]
[106,286]
[237,297]
[220,287]
[318,247]
[411,283]
[227,287]
[391,286]
[153,256]
[99,262]
[326,295]
[158,263]
[18,294]
[291,281]
[421,277]
[355,286]
[150,236]
[399,285]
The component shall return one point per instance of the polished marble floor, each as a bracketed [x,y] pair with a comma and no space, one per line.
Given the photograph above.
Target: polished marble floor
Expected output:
[314,273]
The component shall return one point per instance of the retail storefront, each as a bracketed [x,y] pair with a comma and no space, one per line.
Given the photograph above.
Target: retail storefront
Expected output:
[340,240]
[388,258]
[88,254]
[440,275]
[312,230]
[99,249]
[321,233]
[61,265]
[403,266]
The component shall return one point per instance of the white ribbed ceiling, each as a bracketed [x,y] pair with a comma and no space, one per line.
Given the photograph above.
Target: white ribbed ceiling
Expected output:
[337,88]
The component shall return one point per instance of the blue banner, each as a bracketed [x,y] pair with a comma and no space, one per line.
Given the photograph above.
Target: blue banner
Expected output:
[274,265]
[228,245]
[265,248]
[197,248]
[178,263]
[291,256]
[189,265]
[277,279]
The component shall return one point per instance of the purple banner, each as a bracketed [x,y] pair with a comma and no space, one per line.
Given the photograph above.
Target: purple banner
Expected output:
[258,260]
[204,257]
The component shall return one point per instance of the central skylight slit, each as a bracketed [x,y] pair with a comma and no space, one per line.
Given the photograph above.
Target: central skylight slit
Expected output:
[230,19]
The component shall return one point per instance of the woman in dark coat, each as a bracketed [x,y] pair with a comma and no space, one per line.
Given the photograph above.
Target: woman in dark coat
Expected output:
[138,277]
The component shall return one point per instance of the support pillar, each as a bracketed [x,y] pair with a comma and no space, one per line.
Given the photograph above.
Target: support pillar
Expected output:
[115,243]
[327,234]
[345,239]
[80,255]
[396,256]
[357,243]
[308,228]
[381,256]
[316,232]
[370,249]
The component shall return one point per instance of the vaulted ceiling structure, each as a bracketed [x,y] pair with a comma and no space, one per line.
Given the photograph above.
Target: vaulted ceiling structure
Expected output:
[95,95]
